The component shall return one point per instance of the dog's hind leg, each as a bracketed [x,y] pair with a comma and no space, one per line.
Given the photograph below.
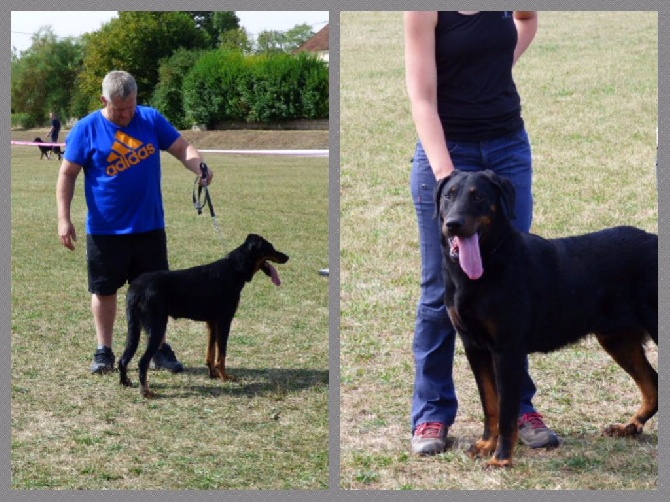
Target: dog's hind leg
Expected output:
[156,329]
[650,317]
[628,351]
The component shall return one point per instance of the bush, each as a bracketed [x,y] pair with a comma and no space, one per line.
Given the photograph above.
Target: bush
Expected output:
[315,87]
[224,85]
[23,121]
[168,93]
[212,89]
[275,93]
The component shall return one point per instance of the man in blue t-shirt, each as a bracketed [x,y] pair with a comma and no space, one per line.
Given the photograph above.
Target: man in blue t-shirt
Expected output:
[118,148]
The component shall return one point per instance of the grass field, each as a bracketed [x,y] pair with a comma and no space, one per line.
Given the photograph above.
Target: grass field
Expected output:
[269,430]
[589,90]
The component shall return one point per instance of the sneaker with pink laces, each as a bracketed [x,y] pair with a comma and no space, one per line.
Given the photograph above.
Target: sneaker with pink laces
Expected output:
[430,438]
[534,433]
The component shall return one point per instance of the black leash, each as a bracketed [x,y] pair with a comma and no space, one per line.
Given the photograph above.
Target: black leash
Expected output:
[197,199]
[199,203]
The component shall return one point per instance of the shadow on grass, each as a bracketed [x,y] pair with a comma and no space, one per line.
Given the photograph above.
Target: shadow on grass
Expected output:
[251,382]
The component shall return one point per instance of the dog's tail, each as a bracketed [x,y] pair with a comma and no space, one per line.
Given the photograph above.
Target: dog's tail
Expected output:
[134,318]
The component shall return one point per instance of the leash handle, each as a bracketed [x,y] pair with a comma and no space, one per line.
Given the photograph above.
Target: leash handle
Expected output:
[198,182]
[198,202]
[196,196]
[205,173]
[199,206]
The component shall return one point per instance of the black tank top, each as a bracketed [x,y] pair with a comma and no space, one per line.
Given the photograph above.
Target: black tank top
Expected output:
[477,99]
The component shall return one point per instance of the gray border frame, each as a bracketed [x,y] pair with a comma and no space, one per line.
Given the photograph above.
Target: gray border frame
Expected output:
[334,493]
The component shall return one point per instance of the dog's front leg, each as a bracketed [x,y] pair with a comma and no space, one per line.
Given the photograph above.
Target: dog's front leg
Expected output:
[509,370]
[222,333]
[211,350]
[481,363]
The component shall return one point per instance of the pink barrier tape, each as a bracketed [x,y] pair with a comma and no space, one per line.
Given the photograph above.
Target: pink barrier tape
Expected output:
[32,143]
[296,153]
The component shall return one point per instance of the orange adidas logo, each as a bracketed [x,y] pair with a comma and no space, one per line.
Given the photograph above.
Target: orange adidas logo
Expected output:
[126,153]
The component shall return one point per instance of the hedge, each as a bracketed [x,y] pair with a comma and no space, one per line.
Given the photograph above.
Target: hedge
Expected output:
[228,86]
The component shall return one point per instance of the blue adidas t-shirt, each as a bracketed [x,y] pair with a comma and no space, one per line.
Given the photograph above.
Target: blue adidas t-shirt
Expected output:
[122,170]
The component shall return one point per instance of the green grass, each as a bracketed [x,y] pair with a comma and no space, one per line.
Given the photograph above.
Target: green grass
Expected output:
[589,92]
[269,430]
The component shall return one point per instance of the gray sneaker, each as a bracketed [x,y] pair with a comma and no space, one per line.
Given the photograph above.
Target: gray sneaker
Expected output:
[430,438]
[103,361]
[166,359]
[534,433]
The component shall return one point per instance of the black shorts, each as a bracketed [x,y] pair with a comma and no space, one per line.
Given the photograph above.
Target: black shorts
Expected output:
[114,260]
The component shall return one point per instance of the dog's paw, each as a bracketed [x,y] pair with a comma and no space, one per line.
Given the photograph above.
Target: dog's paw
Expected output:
[495,463]
[147,393]
[483,448]
[622,430]
[125,381]
[227,377]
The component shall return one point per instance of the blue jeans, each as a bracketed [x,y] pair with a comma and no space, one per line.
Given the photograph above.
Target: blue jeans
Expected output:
[434,398]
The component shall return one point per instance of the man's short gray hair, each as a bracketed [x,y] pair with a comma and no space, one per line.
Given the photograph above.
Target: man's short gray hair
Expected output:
[118,84]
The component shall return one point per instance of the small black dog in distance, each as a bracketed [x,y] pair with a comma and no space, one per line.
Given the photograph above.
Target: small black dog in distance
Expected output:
[45,151]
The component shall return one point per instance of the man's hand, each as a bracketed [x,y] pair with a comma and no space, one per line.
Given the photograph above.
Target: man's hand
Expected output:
[68,234]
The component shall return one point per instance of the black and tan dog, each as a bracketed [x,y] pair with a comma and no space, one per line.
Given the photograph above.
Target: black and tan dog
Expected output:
[509,294]
[45,151]
[59,152]
[209,293]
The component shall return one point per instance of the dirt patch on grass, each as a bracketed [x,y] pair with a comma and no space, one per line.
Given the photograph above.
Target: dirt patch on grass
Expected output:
[229,140]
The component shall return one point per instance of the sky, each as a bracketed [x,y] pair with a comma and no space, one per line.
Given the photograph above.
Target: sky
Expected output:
[75,23]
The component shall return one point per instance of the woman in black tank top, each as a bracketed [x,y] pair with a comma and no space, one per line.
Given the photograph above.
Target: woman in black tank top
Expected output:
[467,114]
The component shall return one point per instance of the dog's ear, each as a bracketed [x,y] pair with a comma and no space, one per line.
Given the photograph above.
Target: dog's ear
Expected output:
[437,194]
[253,241]
[506,192]
[257,244]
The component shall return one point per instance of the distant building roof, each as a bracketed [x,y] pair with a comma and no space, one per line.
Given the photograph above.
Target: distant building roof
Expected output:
[317,43]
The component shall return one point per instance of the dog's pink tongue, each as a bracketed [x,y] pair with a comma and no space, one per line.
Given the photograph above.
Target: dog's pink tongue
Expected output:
[469,257]
[275,276]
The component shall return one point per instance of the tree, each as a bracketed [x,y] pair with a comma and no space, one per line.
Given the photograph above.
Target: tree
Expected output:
[297,36]
[43,74]
[237,39]
[215,24]
[136,42]
[269,42]
[272,41]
